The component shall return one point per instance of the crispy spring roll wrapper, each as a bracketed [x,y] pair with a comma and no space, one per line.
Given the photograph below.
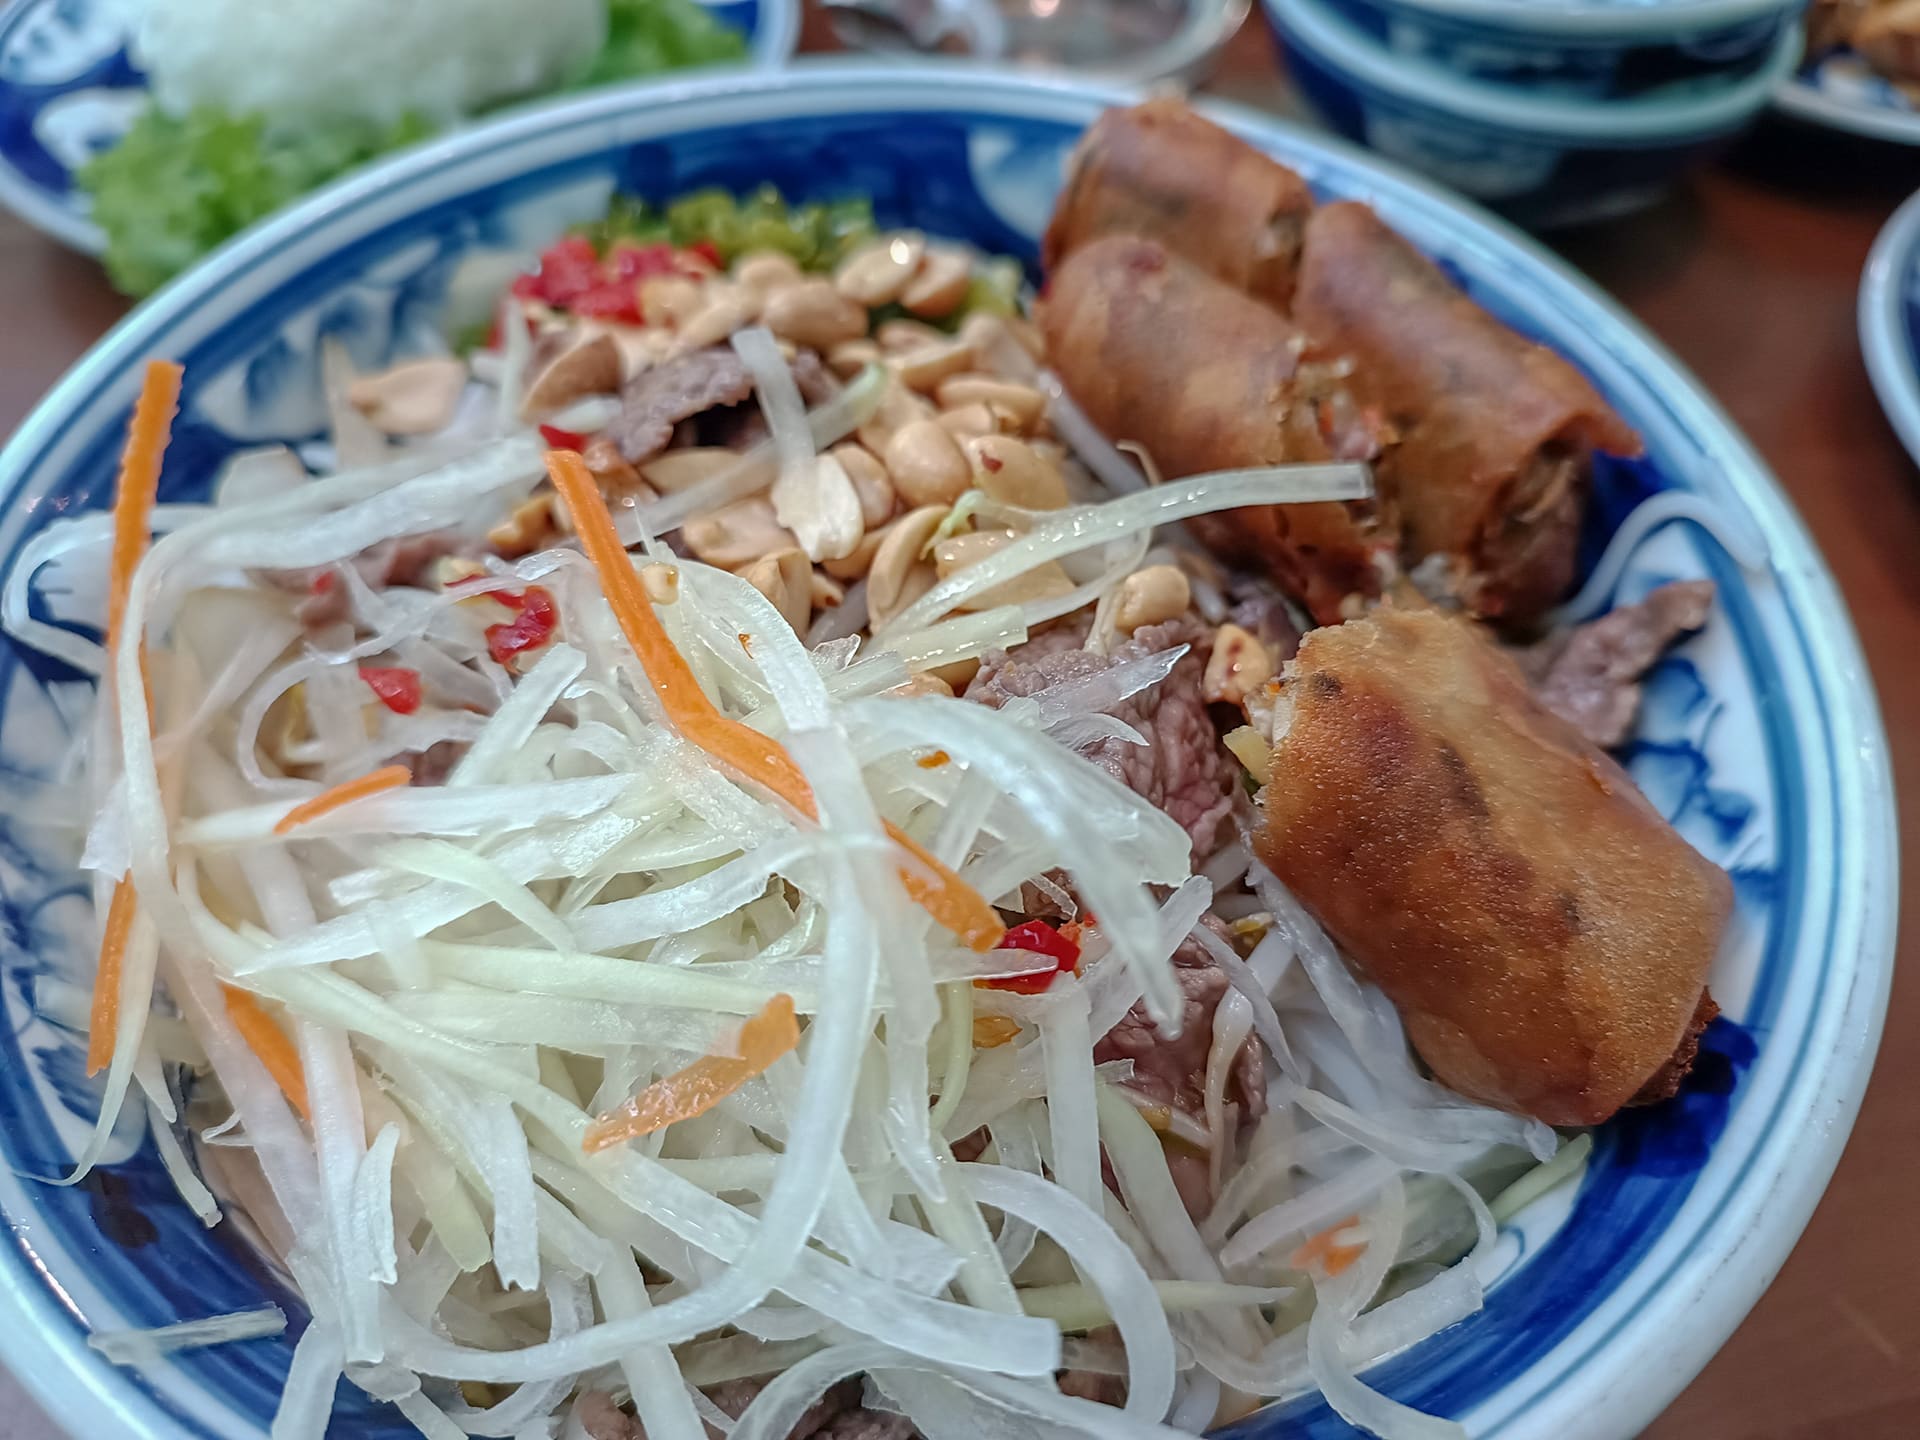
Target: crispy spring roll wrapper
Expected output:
[1496,432]
[1159,352]
[1161,172]
[1544,933]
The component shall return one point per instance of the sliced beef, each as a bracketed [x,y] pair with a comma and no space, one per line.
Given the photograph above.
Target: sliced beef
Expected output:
[704,398]
[407,560]
[604,1420]
[1590,677]
[1182,767]
[660,397]
[836,1415]
[1174,1072]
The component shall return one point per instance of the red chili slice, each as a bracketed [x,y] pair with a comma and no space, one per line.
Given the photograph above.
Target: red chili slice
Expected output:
[563,439]
[529,629]
[615,300]
[397,687]
[1042,939]
[636,262]
[568,269]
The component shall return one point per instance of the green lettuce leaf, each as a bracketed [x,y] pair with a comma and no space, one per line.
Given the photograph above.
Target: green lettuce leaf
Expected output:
[177,186]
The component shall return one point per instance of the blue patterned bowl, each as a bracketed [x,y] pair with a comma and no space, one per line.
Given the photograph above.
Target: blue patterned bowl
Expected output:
[1836,90]
[1540,159]
[1760,740]
[68,91]
[1600,48]
[1890,322]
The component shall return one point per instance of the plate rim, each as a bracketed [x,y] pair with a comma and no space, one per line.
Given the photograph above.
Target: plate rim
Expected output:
[771,45]
[1835,673]
[1886,344]
[1809,104]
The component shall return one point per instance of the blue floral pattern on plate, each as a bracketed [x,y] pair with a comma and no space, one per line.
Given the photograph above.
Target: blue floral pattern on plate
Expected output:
[1836,89]
[68,91]
[1760,739]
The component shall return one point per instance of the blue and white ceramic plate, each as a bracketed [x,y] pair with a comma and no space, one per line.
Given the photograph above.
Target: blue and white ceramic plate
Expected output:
[1890,322]
[69,91]
[1837,90]
[1761,740]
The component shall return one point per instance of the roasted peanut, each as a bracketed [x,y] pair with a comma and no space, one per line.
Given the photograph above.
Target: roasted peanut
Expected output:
[877,272]
[898,407]
[671,299]
[526,529]
[786,578]
[940,287]
[1024,403]
[1238,666]
[767,270]
[737,534]
[819,505]
[416,398]
[924,367]
[814,314]
[661,582]
[969,547]
[896,336]
[673,470]
[850,357]
[589,368]
[828,593]
[1008,469]
[968,421]
[852,567]
[612,469]
[1151,596]
[956,676]
[960,552]
[728,308]
[923,682]
[925,464]
[898,576]
[870,482]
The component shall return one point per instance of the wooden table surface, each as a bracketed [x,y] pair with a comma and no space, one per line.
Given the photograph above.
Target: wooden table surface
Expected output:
[1749,275]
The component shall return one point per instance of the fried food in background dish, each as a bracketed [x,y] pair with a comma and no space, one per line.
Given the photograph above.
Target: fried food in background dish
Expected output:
[1157,351]
[1161,172]
[1496,433]
[1887,37]
[1544,933]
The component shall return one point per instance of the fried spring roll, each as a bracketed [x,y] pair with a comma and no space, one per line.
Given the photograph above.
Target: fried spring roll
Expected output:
[1496,433]
[1544,933]
[1157,351]
[1161,172]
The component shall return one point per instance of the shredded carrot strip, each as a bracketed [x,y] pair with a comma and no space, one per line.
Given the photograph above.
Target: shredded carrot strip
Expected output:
[139,484]
[133,498]
[270,1044]
[1326,1250]
[943,894]
[106,981]
[387,777]
[764,1038]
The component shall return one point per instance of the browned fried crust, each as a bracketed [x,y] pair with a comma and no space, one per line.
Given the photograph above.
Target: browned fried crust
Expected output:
[1665,1082]
[1161,172]
[1495,432]
[1543,931]
[1157,351]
